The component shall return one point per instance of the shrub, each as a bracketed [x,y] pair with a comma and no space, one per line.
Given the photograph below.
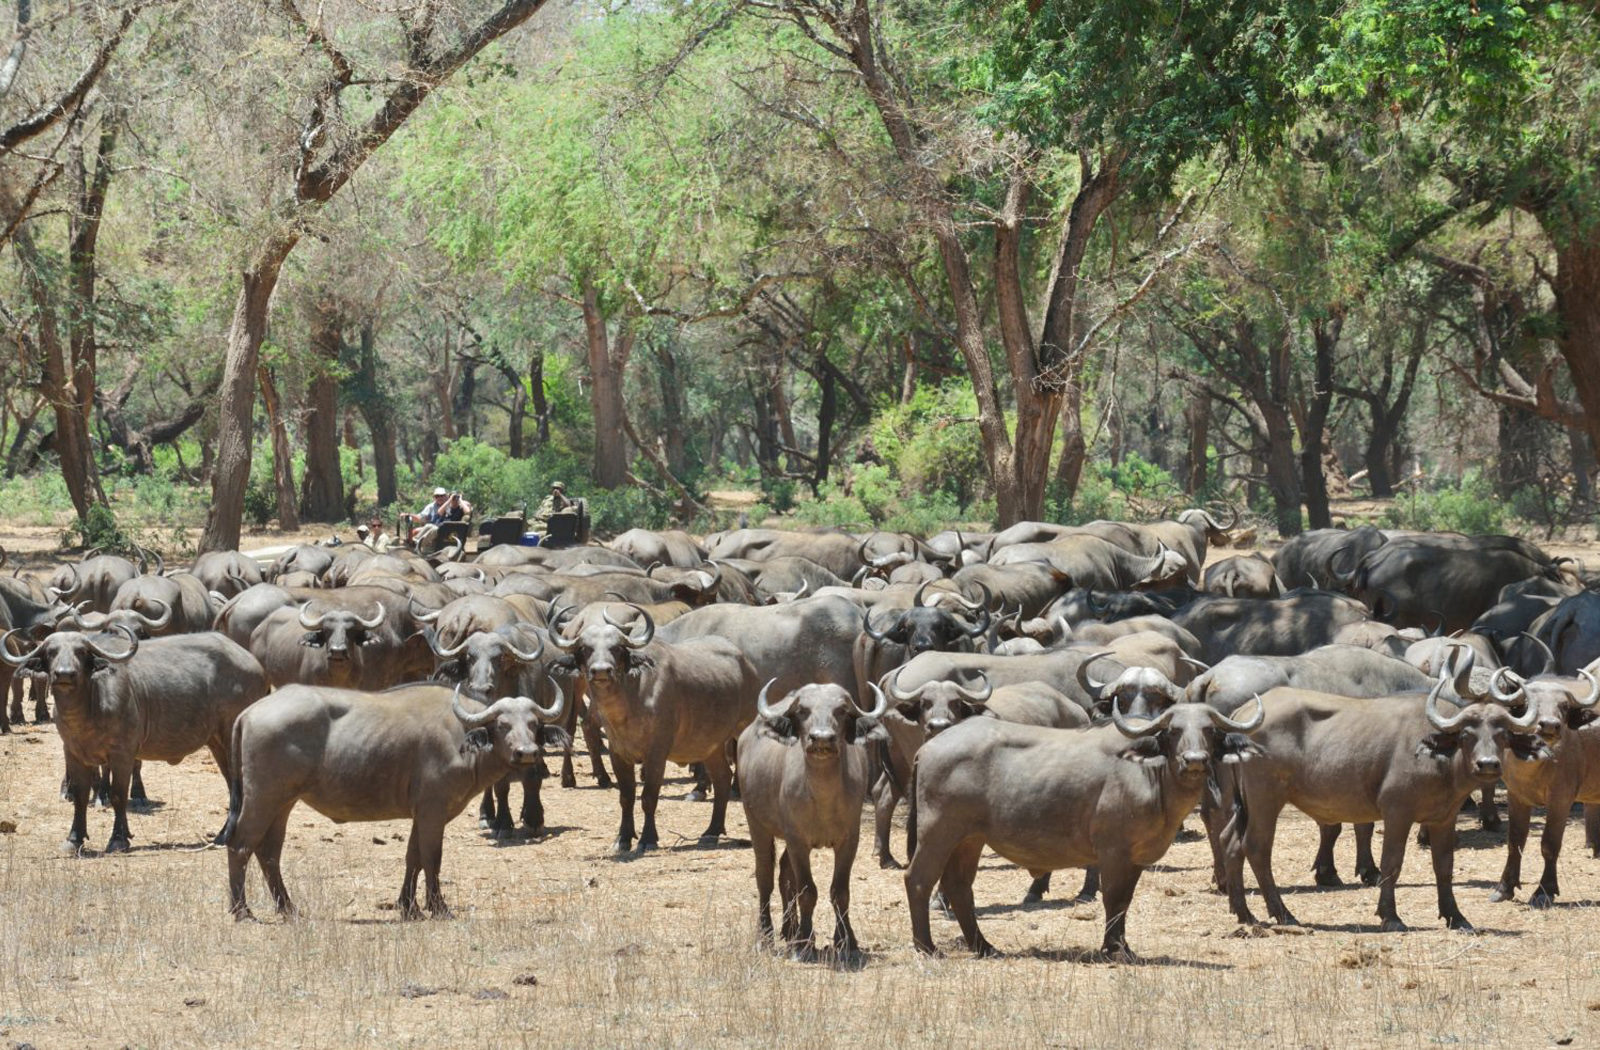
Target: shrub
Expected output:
[1469,506]
[98,528]
[932,442]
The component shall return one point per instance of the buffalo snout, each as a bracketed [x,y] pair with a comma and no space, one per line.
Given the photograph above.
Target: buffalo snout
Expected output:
[1486,767]
[822,741]
[937,726]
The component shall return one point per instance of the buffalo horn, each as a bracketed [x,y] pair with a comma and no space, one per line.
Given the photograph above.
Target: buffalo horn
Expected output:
[1249,725]
[8,656]
[880,703]
[558,637]
[556,712]
[766,710]
[469,719]
[432,637]
[628,639]
[376,619]
[1594,688]
[972,606]
[1549,657]
[425,615]
[894,688]
[1128,729]
[526,658]
[916,599]
[311,624]
[1093,687]
[1525,723]
[59,592]
[866,625]
[1515,694]
[1199,665]
[981,696]
[114,657]
[1438,721]
[158,622]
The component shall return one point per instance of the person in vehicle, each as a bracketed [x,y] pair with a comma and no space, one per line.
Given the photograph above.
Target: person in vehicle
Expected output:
[555,502]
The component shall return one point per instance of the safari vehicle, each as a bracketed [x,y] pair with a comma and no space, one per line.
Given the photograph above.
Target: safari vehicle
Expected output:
[566,528]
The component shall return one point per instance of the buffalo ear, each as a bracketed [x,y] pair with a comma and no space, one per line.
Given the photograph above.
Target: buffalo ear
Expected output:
[565,666]
[1578,717]
[869,730]
[1146,750]
[477,740]
[1529,748]
[638,663]
[1236,748]
[780,729]
[311,638]
[1440,746]
[554,736]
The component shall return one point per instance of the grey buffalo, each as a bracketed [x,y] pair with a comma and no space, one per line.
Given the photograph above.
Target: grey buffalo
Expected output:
[417,751]
[802,778]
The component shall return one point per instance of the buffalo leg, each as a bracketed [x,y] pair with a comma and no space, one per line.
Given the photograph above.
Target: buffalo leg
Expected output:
[486,809]
[120,836]
[1037,888]
[1555,829]
[503,825]
[1121,878]
[885,799]
[844,936]
[803,944]
[15,711]
[1324,871]
[956,885]
[1442,844]
[136,791]
[80,785]
[1366,866]
[595,742]
[790,919]
[40,690]
[569,779]
[220,754]
[766,857]
[1259,838]
[532,805]
[702,782]
[1520,816]
[934,849]
[1090,887]
[721,776]
[269,856]
[1488,811]
[407,904]
[626,788]
[431,854]
[1395,833]
[1591,827]
[652,772]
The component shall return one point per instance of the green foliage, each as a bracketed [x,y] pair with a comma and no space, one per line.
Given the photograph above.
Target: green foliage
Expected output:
[98,528]
[626,508]
[779,493]
[491,480]
[1470,506]
[1105,491]
[932,443]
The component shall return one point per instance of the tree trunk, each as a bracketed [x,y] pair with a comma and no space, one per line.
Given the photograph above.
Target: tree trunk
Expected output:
[1577,294]
[606,373]
[365,390]
[1283,479]
[282,453]
[1198,416]
[541,407]
[231,472]
[674,410]
[827,412]
[1325,339]
[323,482]
[515,418]
[1380,443]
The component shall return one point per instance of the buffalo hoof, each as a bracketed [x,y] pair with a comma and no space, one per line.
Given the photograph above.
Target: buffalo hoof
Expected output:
[41,716]
[409,911]
[697,795]
[485,823]
[1542,898]
[440,911]
[710,838]
[647,846]
[602,781]
[141,805]
[1459,923]
[500,833]
[244,915]
[1081,898]
[805,953]
[117,846]
[1286,920]
[1327,877]
[1369,876]
[622,847]
[1501,893]
[888,863]
[1490,820]
[1032,898]
[72,847]
[1115,954]
[1394,926]
[985,950]
[568,780]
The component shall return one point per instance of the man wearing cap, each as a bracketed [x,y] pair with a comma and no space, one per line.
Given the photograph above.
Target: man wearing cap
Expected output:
[556,501]
[429,516]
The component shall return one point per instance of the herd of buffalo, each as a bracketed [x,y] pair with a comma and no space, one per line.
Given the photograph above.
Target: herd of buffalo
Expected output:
[1063,695]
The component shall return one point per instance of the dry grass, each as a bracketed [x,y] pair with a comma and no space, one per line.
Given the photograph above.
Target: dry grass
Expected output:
[660,951]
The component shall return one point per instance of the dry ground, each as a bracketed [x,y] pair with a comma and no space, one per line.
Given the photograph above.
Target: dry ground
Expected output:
[556,943]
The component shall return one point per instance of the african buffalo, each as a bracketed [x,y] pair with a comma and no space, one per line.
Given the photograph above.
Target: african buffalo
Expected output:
[802,778]
[416,751]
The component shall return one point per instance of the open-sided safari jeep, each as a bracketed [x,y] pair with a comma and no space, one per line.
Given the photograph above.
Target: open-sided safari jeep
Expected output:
[567,528]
